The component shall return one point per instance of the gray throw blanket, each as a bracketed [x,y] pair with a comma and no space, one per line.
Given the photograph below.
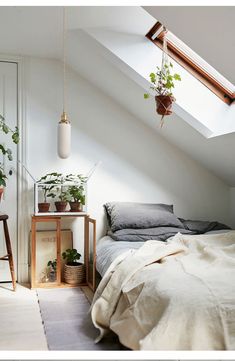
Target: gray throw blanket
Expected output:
[163,233]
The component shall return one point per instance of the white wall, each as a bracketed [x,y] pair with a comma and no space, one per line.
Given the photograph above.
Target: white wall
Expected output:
[137,164]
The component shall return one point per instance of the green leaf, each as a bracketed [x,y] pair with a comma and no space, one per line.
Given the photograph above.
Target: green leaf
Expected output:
[9,154]
[5,128]
[177,77]
[146,95]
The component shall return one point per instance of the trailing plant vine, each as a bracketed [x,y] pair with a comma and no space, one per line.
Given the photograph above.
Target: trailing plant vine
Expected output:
[7,151]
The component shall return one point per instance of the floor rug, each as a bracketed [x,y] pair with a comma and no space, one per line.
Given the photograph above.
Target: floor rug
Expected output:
[67,322]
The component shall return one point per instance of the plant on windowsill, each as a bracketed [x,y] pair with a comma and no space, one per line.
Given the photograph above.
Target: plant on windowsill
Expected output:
[6,151]
[74,272]
[49,182]
[163,82]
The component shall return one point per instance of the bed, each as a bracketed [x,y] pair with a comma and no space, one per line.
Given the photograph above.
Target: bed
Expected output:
[171,292]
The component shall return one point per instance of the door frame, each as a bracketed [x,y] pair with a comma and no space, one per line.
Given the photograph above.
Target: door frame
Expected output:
[22,184]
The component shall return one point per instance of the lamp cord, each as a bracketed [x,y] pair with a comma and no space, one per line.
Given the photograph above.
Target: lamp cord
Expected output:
[64,58]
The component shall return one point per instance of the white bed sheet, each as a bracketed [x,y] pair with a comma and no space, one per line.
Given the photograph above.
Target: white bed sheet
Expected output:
[108,250]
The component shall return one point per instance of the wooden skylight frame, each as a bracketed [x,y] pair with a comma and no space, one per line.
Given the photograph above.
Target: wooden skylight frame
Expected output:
[156,35]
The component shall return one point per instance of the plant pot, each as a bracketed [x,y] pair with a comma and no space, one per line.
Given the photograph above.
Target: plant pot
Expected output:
[75,206]
[43,207]
[1,193]
[52,276]
[60,206]
[74,275]
[164,104]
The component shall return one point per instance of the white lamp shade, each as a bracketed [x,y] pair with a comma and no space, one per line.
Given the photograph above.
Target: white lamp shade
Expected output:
[64,140]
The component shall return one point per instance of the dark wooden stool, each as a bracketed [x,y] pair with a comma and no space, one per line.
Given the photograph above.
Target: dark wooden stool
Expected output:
[8,257]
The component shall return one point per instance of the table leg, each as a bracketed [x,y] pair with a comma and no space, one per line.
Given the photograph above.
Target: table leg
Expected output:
[58,251]
[33,253]
[10,255]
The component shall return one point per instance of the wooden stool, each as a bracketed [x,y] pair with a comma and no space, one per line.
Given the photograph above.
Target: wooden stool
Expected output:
[8,257]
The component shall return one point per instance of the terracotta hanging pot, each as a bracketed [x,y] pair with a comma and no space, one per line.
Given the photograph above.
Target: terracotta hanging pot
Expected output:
[164,104]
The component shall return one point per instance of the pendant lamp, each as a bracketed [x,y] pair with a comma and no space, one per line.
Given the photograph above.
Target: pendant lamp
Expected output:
[64,126]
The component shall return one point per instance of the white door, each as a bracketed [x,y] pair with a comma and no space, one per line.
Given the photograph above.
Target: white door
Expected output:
[8,108]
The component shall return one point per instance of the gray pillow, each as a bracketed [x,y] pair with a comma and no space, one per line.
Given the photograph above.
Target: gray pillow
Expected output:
[140,215]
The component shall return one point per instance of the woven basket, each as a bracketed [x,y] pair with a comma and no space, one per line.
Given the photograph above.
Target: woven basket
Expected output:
[74,274]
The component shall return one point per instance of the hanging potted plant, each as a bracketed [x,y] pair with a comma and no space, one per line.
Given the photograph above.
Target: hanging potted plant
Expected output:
[49,183]
[74,272]
[163,82]
[6,151]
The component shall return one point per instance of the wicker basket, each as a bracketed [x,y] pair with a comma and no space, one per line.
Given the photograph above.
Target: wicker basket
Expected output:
[74,275]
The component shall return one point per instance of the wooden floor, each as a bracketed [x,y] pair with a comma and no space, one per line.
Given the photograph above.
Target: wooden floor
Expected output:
[21,324]
[20,319]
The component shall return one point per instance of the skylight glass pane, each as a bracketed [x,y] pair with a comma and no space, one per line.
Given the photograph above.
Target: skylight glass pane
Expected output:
[199,61]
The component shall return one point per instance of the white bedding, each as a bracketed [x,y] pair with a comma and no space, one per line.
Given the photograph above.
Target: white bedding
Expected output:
[108,250]
[175,296]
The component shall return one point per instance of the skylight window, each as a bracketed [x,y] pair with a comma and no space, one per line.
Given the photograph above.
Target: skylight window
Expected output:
[190,60]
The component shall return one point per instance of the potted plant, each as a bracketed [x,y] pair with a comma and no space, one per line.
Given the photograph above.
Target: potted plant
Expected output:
[61,192]
[49,181]
[74,272]
[76,192]
[63,201]
[52,265]
[77,198]
[163,82]
[6,151]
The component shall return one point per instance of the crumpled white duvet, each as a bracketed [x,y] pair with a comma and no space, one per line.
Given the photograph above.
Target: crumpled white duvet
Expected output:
[178,295]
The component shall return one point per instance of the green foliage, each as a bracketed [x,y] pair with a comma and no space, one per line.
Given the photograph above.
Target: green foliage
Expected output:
[50,180]
[163,81]
[71,256]
[77,194]
[3,177]
[57,185]
[64,196]
[52,264]
[6,151]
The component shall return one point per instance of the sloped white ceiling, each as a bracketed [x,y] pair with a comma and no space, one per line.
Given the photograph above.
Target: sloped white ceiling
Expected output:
[37,31]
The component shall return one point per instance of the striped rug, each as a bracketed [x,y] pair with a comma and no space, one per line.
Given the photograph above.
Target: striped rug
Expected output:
[67,322]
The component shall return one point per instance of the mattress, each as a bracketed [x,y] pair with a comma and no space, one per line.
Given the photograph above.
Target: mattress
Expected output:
[107,250]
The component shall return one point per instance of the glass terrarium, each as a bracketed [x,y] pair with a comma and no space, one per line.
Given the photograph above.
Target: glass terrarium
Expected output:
[55,193]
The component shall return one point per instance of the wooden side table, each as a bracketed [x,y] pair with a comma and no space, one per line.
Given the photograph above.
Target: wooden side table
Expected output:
[89,249]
